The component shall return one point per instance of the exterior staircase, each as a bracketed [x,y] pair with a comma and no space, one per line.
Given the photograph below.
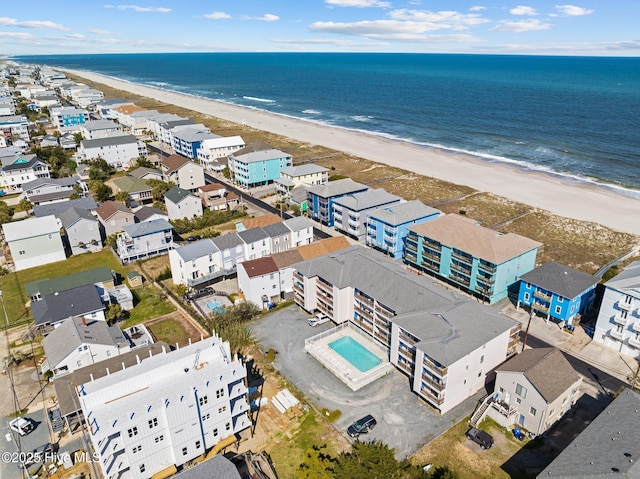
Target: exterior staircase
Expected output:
[478,415]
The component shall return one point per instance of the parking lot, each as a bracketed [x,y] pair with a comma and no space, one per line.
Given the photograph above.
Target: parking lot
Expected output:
[404,421]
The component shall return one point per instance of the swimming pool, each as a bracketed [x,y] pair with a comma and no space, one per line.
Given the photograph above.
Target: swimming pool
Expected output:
[354,352]
[216,306]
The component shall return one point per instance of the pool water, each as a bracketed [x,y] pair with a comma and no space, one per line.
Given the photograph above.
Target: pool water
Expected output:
[216,306]
[354,352]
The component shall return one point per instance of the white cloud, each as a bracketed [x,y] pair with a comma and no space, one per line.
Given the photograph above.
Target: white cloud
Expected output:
[357,3]
[327,41]
[75,36]
[447,19]
[99,31]
[477,8]
[572,10]
[520,26]
[268,17]
[217,15]
[18,35]
[12,22]
[137,8]
[523,10]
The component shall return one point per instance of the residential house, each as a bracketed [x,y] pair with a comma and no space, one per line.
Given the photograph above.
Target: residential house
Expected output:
[607,447]
[216,197]
[182,204]
[82,231]
[154,417]
[14,126]
[558,291]
[212,150]
[533,390]
[68,119]
[259,281]
[77,343]
[166,129]
[94,129]
[479,260]
[618,323]
[137,189]
[183,173]
[87,97]
[104,108]
[307,174]
[446,344]
[145,173]
[114,217]
[48,141]
[20,169]
[82,301]
[231,247]
[256,242]
[350,212]
[150,213]
[387,227]
[119,151]
[56,209]
[46,101]
[258,221]
[68,142]
[52,190]
[257,164]
[7,106]
[102,278]
[285,262]
[320,198]
[279,237]
[298,196]
[34,242]
[186,141]
[301,231]
[144,240]
[132,117]
[197,264]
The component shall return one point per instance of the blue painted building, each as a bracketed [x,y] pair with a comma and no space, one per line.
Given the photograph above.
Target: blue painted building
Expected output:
[186,141]
[68,117]
[481,261]
[258,164]
[388,227]
[320,198]
[557,291]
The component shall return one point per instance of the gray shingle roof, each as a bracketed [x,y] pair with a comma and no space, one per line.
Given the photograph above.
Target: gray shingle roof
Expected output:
[276,229]
[560,279]
[176,195]
[546,369]
[608,448]
[336,188]
[403,213]
[218,466]
[109,141]
[72,333]
[367,199]
[147,212]
[298,223]
[57,209]
[147,227]
[56,307]
[73,215]
[227,241]
[102,274]
[306,169]
[252,235]
[197,249]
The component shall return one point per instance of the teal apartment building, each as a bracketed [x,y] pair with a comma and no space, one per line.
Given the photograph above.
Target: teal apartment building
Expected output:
[258,164]
[478,260]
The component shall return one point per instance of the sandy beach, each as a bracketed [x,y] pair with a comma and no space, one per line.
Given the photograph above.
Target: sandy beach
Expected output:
[565,198]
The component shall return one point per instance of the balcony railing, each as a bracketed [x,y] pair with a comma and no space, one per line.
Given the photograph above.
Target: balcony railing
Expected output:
[411,257]
[363,299]
[615,334]
[430,397]
[634,342]
[459,279]
[484,280]
[438,385]
[431,256]
[462,269]
[636,326]
[625,305]
[542,295]
[540,307]
[487,269]
[435,370]
[462,258]
[620,319]
[211,276]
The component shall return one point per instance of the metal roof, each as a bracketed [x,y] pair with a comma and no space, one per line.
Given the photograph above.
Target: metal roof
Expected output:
[336,188]
[402,213]
[197,249]
[30,228]
[366,200]
[147,228]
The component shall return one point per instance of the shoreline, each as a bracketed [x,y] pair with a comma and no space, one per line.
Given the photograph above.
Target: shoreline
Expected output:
[572,199]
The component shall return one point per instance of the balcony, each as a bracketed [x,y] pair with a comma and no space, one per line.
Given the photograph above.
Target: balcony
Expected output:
[364,299]
[411,257]
[431,266]
[615,334]
[542,295]
[410,356]
[431,256]
[324,287]
[459,280]
[634,342]
[636,326]
[625,304]
[405,368]
[436,371]
[432,398]
[489,282]
[462,258]
[462,269]
[363,312]
[298,288]
[486,268]
[437,385]
[210,277]
[540,307]
[621,319]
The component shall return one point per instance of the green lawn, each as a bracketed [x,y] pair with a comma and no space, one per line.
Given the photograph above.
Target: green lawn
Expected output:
[169,331]
[148,305]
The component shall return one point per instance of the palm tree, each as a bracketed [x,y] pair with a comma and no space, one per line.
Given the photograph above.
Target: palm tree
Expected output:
[123,197]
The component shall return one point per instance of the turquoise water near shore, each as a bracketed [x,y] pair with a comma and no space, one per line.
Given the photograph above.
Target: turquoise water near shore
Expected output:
[577,117]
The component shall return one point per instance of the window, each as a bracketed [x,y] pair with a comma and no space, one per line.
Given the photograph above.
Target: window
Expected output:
[222,409]
[532,411]
[184,451]
[160,438]
[206,416]
[153,423]
[215,432]
[552,412]
[137,449]
[197,444]
[219,393]
[558,309]
[560,299]
[203,400]
[519,401]
[227,426]
[527,296]
[142,468]
[482,359]
[521,390]
[132,432]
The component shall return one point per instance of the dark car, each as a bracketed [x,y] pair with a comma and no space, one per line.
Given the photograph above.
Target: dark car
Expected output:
[362,426]
[201,293]
[483,439]
[193,238]
[42,453]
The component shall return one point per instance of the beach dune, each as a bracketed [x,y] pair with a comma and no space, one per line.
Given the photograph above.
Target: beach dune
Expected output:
[580,201]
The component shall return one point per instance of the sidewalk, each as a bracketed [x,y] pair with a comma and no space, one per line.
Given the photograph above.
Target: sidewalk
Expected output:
[577,344]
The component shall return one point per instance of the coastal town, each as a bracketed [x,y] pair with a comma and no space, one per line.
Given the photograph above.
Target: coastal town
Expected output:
[148,257]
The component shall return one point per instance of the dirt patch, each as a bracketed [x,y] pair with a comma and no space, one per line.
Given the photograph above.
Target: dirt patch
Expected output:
[190,331]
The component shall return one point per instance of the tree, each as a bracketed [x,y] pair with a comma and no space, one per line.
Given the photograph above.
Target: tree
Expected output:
[122,197]
[160,205]
[142,161]
[111,241]
[6,212]
[181,290]
[443,472]
[318,464]
[78,138]
[226,172]
[113,313]
[368,460]
[103,192]
[159,188]
[24,205]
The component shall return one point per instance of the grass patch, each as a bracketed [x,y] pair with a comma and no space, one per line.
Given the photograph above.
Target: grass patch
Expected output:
[486,208]
[149,304]
[170,331]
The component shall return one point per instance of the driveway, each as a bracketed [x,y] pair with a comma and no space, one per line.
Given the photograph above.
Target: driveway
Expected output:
[405,422]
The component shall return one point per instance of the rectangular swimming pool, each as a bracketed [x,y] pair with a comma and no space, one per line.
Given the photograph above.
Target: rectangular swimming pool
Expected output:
[354,352]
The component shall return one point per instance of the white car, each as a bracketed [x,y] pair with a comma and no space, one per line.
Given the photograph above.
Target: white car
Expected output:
[318,319]
[21,425]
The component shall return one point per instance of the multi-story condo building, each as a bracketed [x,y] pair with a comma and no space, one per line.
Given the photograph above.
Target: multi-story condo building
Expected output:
[350,212]
[557,291]
[618,324]
[478,260]
[144,240]
[307,174]
[320,198]
[99,129]
[20,169]
[166,410]
[14,126]
[387,227]
[446,344]
[186,141]
[69,118]
[214,149]
[257,164]
[119,151]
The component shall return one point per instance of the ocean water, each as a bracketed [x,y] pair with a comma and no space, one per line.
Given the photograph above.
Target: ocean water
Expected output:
[578,117]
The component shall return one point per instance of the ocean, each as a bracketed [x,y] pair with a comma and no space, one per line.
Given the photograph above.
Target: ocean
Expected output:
[576,117]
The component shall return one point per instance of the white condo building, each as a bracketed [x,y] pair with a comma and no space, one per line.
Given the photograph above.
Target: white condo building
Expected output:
[166,410]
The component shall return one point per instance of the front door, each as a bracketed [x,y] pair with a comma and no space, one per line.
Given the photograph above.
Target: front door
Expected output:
[521,420]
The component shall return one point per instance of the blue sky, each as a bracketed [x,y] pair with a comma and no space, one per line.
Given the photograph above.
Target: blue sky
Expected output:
[587,27]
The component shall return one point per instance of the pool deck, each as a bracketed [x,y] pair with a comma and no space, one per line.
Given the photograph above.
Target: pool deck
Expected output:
[318,347]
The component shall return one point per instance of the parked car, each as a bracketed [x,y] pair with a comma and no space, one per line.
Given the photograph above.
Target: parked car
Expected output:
[21,425]
[483,439]
[318,319]
[193,238]
[362,426]
[201,293]
[42,453]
